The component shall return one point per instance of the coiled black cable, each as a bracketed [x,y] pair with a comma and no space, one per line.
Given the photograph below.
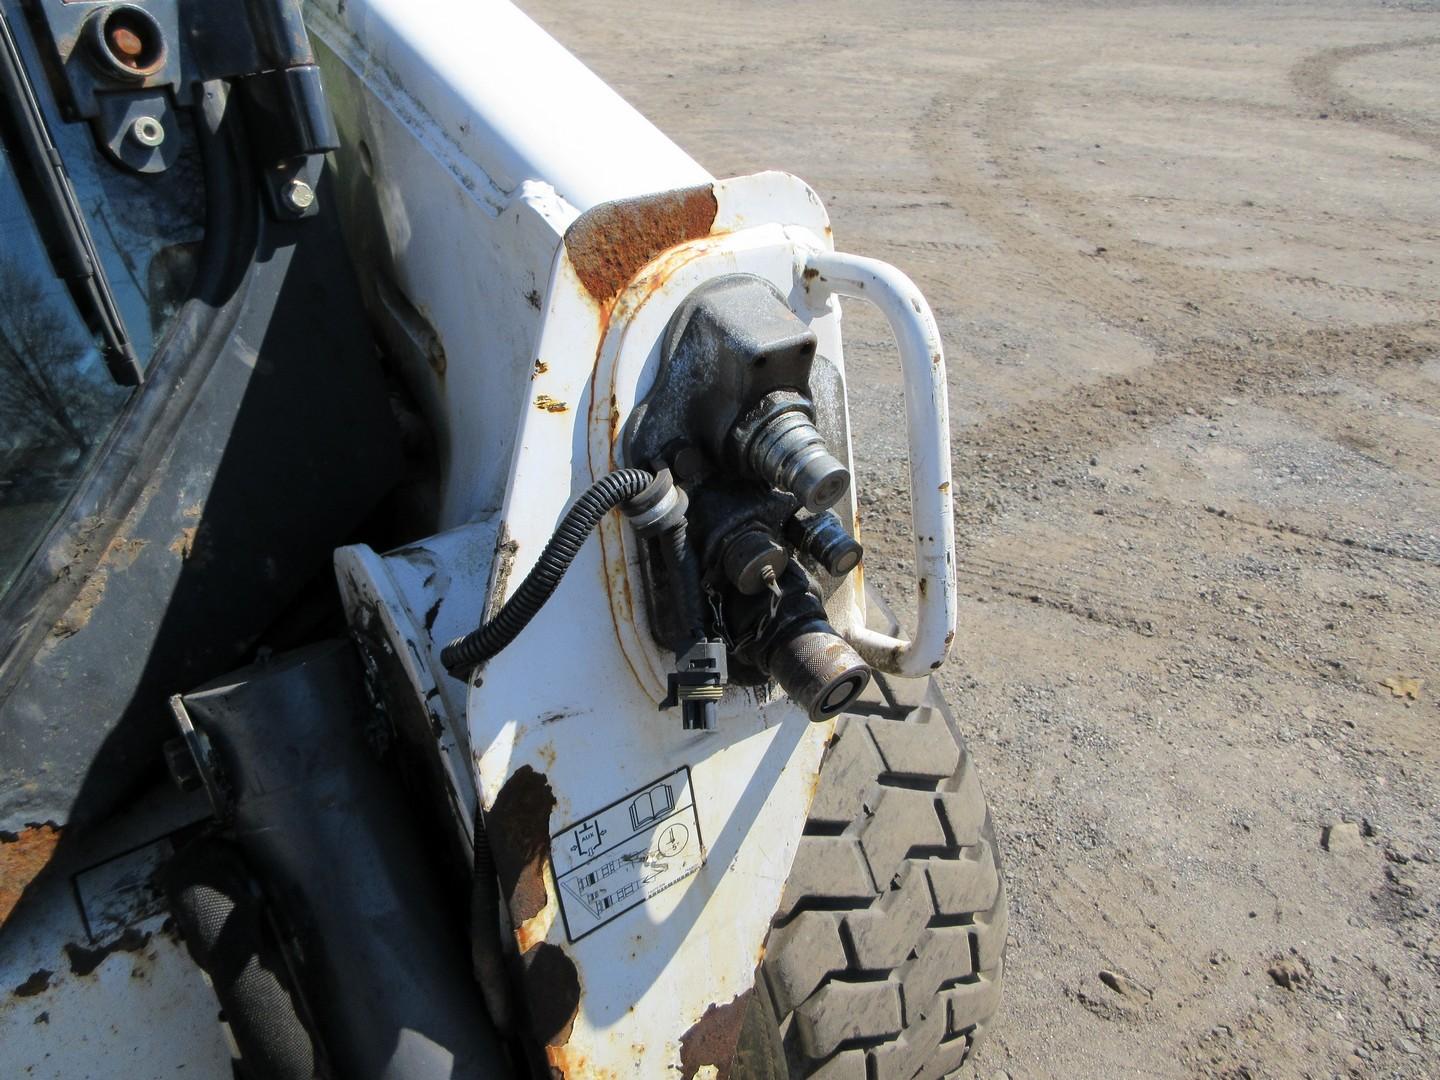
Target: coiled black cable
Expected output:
[464,654]
[684,572]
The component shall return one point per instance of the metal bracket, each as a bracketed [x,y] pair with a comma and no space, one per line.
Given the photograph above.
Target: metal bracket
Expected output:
[128,67]
[201,756]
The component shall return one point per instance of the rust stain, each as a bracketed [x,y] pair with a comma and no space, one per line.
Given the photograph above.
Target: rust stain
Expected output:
[949,638]
[714,1038]
[609,243]
[183,544]
[570,1061]
[540,369]
[22,856]
[614,421]
[548,404]
[519,828]
[121,553]
[531,933]
[944,487]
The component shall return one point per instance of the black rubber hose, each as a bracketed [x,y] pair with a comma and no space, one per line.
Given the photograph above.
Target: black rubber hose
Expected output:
[684,572]
[466,653]
[220,918]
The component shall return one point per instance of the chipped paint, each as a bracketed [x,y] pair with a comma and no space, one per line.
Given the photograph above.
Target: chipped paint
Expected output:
[712,1040]
[546,403]
[536,929]
[85,959]
[608,244]
[518,824]
[552,990]
[184,543]
[36,983]
[23,856]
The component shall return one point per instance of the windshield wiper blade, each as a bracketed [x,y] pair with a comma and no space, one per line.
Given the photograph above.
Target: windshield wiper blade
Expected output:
[41,174]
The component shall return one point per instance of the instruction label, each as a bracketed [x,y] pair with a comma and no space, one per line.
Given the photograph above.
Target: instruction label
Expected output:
[621,856]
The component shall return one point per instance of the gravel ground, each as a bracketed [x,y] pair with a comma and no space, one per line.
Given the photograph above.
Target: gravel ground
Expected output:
[1185,263]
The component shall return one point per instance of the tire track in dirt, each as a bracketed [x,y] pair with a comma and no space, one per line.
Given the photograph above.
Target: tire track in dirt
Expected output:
[1313,79]
[1209,335]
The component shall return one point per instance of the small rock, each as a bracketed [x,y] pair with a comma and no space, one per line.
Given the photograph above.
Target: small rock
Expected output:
[1289,972]
[1094,460]
[1230,401]
[1408,1047]
[1125,986]
[1342,839]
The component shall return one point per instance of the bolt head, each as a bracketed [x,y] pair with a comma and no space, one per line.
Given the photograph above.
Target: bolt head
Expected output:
[147,131]
[298,195]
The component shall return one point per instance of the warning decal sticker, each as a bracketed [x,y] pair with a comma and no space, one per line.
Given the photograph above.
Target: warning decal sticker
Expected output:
[636,848]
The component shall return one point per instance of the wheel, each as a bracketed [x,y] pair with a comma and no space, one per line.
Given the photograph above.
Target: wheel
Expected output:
[885,958]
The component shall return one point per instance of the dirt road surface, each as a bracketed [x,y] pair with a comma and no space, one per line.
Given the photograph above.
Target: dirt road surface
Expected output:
[1185,262]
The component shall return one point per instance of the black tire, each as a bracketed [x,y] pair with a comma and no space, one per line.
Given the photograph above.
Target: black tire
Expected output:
[886,955]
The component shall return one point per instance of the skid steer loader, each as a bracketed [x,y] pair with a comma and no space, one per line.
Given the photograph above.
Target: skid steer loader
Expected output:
[434,639]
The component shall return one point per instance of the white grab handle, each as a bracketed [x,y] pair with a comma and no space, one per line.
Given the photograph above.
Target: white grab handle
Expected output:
[927,422]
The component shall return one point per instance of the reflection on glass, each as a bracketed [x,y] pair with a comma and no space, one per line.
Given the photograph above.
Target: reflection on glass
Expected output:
[57,400]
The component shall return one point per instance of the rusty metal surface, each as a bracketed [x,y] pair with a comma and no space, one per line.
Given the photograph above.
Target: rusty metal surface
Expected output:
[518,825]
[609,244]
[23,856]
[552,991]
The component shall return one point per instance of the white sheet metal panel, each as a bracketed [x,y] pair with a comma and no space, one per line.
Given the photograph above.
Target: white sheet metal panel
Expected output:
[666,921]
[573,702]
[471,139]
[94,983]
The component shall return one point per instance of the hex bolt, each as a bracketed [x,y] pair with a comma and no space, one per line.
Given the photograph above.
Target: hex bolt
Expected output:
[298,196]
[126,45]
[147,131]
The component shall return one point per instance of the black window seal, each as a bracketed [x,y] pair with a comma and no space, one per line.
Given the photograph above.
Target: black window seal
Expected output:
[47,187]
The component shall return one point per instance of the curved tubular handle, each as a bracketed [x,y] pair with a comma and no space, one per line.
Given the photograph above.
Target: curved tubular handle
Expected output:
[927,421]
